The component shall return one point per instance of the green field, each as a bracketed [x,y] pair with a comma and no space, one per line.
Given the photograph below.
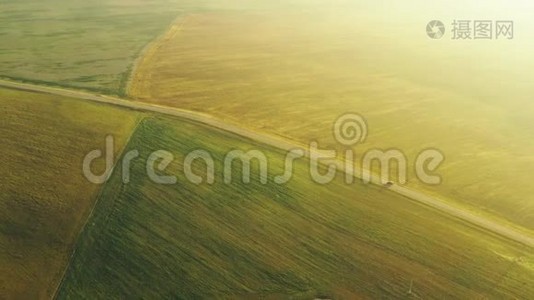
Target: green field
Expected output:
[80,44]
[285,69]
[300,239]
[44,198]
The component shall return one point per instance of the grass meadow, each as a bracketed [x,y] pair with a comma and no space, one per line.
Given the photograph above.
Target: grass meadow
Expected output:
[299,240]
[292,72]
[44,198]
[88,45]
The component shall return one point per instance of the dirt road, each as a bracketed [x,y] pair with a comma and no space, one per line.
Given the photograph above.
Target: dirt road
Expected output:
[280,143]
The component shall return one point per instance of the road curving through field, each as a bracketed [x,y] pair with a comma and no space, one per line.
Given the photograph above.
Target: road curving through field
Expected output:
[283,144]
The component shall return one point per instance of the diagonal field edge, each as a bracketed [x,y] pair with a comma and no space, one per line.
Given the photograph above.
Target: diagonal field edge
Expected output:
[91,212]
[283,144]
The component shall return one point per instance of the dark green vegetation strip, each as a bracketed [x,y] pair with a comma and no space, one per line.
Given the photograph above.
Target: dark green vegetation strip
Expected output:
[302,239]
[44,198]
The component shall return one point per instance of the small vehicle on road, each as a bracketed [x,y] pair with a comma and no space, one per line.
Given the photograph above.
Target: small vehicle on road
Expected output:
[389,184]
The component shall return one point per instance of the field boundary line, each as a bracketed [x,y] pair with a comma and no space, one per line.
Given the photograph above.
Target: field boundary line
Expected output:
[150,50]
[93,207]
[286,145]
